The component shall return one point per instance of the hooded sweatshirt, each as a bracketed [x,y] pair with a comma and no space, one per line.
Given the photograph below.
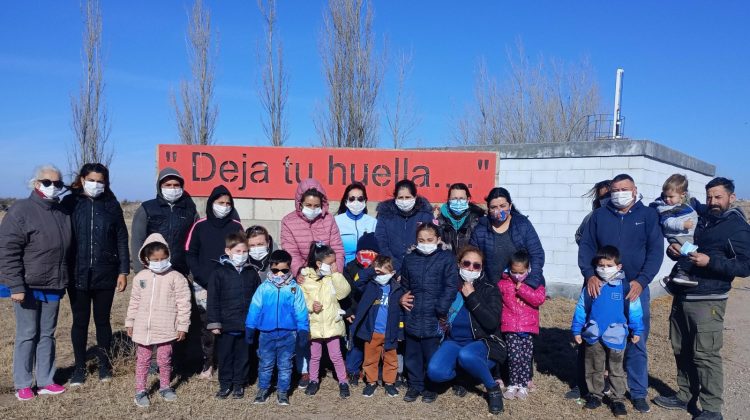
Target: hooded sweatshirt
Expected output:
[171,220]
[297,232]
[206,240]
[159,303]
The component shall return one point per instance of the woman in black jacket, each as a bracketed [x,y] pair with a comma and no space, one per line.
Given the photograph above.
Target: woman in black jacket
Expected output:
[458,217]
[472,338]
[101,263]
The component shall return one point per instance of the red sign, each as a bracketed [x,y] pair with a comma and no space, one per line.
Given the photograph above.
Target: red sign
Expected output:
[274,172]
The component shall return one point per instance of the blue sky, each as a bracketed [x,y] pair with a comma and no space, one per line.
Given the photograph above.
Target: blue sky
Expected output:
[685,62]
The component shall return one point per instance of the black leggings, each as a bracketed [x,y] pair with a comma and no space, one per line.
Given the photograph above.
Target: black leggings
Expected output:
[80,303]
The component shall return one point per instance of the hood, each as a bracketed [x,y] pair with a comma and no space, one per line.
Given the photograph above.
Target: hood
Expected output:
[154,237]
[216,193]
[306,185]
[389,208]
[732,212]
[167,172]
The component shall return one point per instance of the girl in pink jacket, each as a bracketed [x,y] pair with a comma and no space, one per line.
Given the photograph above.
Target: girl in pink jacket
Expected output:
[519,320]
[158,314]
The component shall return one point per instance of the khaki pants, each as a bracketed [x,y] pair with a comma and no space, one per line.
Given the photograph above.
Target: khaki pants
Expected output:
[696,332]
[598,357]
[374,352]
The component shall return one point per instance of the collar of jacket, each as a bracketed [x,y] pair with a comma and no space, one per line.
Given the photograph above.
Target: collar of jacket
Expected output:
[36,197]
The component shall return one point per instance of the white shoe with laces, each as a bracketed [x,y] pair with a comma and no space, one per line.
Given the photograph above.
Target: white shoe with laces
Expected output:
[510,393]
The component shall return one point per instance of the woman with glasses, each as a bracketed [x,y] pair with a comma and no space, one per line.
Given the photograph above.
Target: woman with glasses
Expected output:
[101,264]
[35,238]
[352,218]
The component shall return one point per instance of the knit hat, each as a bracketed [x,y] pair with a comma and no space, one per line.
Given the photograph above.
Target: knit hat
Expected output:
[368,242]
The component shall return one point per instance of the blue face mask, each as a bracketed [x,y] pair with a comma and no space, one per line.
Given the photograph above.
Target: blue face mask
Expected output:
[498,215]
[458,205]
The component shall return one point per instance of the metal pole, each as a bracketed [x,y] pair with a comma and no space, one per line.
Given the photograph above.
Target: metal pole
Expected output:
[616,129]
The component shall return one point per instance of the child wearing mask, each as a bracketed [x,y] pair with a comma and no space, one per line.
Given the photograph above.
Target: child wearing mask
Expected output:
[323,287]
[520,320]
[158,315]
[230,288]
[603,325]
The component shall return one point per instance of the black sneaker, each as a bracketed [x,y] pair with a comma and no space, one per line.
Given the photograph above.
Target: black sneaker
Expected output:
[429,397]
[78,378]
[683,279]
[400,381]
[344,391]
[369,389]
[223,393]
[641,405]
[411,395]
[262,396]
[312,388]
[670,403]
[304,380]
[592,403]
[495,400]
[459,390]
[282,398]
[619,410]
[105,372]
[391,390]
[708,415]
[573,394]
[353,378]
[238,392]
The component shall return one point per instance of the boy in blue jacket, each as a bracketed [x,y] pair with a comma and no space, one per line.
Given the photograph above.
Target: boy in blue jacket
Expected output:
[604,323]
[279,312]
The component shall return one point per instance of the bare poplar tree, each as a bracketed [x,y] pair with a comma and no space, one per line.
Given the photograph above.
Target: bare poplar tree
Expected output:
[401,117]
[275,88]
[195,111]
[90,122]
[353,72]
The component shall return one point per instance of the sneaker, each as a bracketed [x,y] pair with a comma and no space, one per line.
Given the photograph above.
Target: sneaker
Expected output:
[391,390]
[262,396]
[167,394]
[105,373]
[530,386]
[223,392]
[708,415]
[51,389]
[25,394]
[78,377]
[369,389]
[429,397]
[312,388]
[664,282]
[459,391]
[411,395]
[592,402]
[683,280]
[282,398]
[304,380]
[619,410]
[353,378]
[670,403]
[207,373]
[344,390]
[400,381]
[573,394]
[641,405]
[607,388]
[141,399]
[495,400]
[238,392]
[510,393]
[522,393]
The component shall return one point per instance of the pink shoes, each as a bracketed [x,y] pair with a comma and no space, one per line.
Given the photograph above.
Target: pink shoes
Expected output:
[25,394]
[51,389]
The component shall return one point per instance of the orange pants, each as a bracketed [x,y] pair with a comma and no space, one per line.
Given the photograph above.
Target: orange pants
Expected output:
[374,352]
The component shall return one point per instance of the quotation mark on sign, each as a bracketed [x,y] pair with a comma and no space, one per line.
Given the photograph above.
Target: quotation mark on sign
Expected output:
[483,164]
[171,156]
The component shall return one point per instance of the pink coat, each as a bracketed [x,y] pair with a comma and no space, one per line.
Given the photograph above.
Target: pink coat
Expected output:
[520,306]
[297,232]
[159,303]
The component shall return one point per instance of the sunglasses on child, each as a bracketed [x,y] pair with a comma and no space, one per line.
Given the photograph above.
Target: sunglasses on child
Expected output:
[280,270]
[47,183]
[467,264]
[352,199]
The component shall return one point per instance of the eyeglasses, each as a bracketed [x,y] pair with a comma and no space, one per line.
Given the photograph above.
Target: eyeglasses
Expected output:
[352,199]
[47,183]
[280,270]
[475,265]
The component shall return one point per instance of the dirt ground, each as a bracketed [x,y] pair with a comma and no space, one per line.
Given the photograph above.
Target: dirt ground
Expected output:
[554,363]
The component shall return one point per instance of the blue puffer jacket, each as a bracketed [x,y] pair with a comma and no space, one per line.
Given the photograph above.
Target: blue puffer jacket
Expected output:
[367,311]
[523,235]
[397,231]
[433,280]
[352,228]
[278,308]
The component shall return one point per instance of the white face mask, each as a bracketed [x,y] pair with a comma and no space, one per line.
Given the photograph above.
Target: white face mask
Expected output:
[469,276]
[239,259]
[356,207]
[427,248]
[221,211]
[171,194]
[606,273]
[325,269]
[621,199]
[406,204]
[159,266]
[93,189]
[50,193]
[383,279]
[258,252]
[310,213]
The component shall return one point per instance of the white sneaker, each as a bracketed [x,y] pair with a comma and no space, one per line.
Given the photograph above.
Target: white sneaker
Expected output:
[522,393]
[206,374]
[510,393]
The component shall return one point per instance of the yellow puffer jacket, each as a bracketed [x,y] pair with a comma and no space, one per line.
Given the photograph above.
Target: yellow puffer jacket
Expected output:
[328,291]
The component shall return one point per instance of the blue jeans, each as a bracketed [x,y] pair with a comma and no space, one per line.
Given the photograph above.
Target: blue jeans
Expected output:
[276,348]
[355,357]
[472,358]
[636,357]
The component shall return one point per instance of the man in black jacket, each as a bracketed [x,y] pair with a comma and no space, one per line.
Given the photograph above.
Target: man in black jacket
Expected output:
[697,317]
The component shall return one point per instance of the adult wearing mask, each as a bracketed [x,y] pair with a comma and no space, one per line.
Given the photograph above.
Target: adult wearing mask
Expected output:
[171,214]
[458,217]
[503,232]
[352,218]
[635,230]
[35,238]
[260,245]
[204,246]
[398,219]
[101,264]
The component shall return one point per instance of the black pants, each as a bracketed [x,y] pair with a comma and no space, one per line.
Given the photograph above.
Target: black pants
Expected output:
[81,302]
[233,355]
[417,357]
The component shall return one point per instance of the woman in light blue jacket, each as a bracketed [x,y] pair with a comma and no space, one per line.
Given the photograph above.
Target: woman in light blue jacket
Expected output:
[352,218]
